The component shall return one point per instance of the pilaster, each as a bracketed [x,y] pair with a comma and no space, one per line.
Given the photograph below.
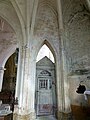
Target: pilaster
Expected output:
[25,86]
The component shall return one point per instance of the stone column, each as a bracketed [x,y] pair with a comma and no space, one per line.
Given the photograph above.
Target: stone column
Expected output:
[64,112]
[66,103]
[59,89]
[1,77]
[64,106]
[25,86]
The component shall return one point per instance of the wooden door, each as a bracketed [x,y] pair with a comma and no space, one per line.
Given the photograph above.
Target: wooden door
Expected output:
[44,97]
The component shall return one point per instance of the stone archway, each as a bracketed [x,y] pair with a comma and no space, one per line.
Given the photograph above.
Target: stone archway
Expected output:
[7,94]
[8,44]
[45,97]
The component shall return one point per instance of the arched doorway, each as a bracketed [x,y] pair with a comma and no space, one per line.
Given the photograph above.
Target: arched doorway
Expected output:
[7,94]
[8,68]
[45,83]
[8,45]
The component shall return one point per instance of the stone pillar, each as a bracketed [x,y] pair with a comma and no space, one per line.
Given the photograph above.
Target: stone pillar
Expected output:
[59,90]
[1,77]
[25,86]
[64,111]
[67,115]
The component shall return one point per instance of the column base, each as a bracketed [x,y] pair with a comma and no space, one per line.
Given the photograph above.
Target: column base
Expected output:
[30,116]
[67,116]
[64,116]
[59,115]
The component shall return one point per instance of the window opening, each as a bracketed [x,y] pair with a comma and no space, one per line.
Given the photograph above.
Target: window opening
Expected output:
[45,51]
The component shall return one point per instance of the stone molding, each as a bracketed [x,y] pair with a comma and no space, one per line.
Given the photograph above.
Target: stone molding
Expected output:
[1,68]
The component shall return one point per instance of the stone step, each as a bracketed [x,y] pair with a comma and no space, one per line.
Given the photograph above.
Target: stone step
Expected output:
[50,117]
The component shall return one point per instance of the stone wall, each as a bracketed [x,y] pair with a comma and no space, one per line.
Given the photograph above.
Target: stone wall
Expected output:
[46,27]
[76,19]
[76,36]
[74,81]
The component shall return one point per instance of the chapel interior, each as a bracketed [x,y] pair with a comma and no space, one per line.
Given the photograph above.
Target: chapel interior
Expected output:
[44,59]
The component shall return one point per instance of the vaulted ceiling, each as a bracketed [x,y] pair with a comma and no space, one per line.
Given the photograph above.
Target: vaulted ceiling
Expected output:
[24,16]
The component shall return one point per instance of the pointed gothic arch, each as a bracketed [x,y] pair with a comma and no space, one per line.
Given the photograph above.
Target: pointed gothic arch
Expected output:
[45,84]
[50,48]
[8,82]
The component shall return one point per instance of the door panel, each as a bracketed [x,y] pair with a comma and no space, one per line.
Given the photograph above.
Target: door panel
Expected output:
[44,103]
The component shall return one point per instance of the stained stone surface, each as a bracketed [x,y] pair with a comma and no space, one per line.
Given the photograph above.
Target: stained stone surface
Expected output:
[46,118]
[33,23]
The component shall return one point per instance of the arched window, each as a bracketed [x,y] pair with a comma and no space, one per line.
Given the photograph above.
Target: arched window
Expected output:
[45,51]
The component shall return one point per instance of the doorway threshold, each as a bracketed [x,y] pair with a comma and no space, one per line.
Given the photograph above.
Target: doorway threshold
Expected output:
[49,117]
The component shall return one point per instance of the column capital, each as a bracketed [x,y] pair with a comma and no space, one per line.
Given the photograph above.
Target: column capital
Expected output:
[2,68]
[26,46]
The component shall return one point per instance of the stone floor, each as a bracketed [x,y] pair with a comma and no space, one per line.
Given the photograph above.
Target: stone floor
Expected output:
[80,112]
[50,117]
